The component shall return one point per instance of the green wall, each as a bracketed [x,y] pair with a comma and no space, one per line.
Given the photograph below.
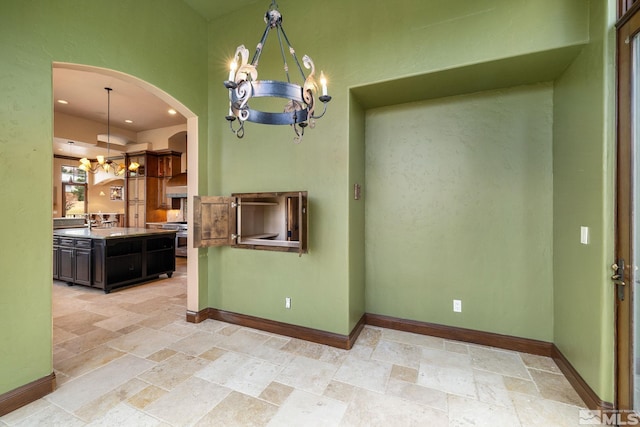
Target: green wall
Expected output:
[423,38]
[160,41]
[459,206]
[583,195]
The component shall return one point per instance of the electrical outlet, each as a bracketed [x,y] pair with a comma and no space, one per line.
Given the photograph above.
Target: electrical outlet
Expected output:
[287,302]
[457,305]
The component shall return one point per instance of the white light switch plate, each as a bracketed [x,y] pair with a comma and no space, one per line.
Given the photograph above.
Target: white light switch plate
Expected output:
[584,235]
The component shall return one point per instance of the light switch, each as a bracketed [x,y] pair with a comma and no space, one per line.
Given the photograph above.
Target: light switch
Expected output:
[584,235]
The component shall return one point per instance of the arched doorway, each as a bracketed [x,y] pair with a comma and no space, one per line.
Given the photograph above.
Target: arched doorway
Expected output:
[192,159]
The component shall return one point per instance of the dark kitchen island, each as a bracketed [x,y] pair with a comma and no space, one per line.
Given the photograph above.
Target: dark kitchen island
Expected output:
[110,258]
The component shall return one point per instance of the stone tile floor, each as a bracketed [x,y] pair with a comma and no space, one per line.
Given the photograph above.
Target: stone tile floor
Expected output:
[129,358]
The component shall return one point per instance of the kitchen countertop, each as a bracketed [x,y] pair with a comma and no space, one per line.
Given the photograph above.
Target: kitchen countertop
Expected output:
[109,233]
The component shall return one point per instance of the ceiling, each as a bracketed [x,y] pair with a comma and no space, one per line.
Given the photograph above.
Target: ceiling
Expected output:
[84,90]
[87,98]
[213,9]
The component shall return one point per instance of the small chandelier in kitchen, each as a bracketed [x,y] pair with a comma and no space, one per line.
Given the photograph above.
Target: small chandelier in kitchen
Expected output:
[106,164]
[243,85]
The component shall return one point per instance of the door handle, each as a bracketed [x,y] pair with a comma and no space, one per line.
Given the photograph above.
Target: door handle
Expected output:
[617,277]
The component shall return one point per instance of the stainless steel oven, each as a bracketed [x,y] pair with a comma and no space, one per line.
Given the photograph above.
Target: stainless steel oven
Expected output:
[181,243]
[181,236]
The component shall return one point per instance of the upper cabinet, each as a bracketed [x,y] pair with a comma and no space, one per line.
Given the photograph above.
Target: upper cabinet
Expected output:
[168,167]
[267,221]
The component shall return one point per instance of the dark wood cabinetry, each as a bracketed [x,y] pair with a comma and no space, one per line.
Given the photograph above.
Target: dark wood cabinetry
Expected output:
[113,262]
[168,167]
[121,262]
[72,260]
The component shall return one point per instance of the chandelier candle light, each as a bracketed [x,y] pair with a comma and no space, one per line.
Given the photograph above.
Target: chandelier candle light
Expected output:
[106,164]
[243,85]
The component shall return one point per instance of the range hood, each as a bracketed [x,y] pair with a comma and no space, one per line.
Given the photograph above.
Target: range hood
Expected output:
[177,186]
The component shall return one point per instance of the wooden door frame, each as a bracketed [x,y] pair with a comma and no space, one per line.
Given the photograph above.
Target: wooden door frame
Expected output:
[627,28]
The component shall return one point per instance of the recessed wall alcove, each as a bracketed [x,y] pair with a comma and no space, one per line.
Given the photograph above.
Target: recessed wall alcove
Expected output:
[430,220]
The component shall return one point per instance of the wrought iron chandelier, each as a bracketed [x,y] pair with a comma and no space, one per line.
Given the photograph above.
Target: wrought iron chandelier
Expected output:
[243,84]
[106,164]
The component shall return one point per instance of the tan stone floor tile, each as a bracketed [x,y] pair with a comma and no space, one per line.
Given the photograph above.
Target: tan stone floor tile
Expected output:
[128,329]
[413,339]
[276,393]
[540,362]
[374,409]
[161,355]
[61,354]
[534,412]
[423,395]
[60,335]
[340,391]
[89,360]
[555,387]
[196,343]
[79,322]
[173,371]
[91,386]
[369,336]
[146,396]
[498,361]
[304,348]
[333,355]
[90,340]
[521,386]
[238,409]
[212,354]
[464,412]
[403,373]
[158,321]
[187,403]
[398,353]
[308,409]
[229,330]
[100,406]
[456,347]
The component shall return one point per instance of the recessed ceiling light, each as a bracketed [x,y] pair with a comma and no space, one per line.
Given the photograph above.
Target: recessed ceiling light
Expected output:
[128,121]
[62,101]
[172,111]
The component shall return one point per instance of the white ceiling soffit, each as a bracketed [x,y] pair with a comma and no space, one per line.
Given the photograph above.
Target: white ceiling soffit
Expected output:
[84,91]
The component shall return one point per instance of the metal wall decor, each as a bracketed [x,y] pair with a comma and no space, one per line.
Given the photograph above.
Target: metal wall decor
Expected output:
[243,84]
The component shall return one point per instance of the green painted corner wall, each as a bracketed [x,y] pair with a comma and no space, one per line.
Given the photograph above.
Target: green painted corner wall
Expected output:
[327,285]
[583,192]
[459,206]
[162,42]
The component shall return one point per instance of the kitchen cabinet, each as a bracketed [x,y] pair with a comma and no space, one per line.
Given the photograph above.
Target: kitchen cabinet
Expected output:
[116,257]
[56,242]
[265,221]
[141,187]
[168,167]
[73,260]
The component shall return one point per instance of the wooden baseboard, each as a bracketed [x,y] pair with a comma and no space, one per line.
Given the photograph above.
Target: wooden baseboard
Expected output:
[27,393]
[587,394]
[286,329]
[197,316]
[540,348]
